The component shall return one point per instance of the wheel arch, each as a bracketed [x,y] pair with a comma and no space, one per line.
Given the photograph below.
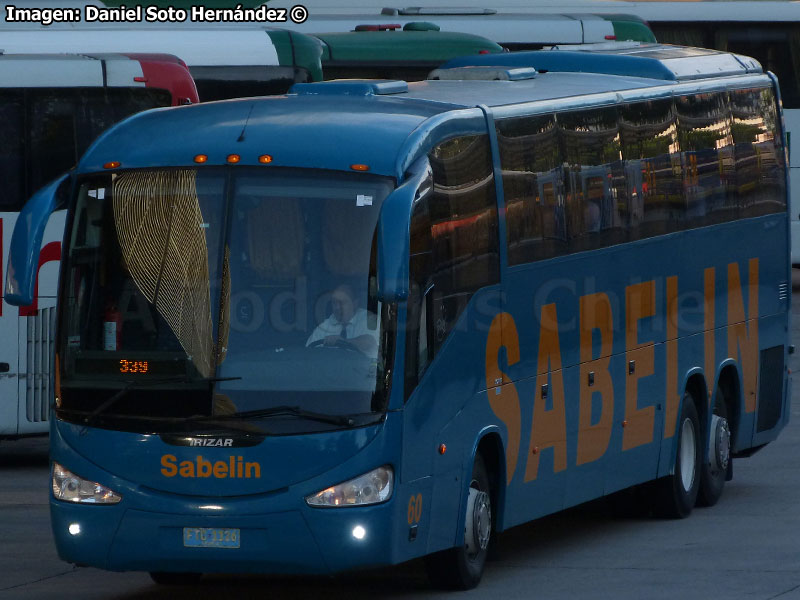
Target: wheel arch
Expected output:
[489,443]
[694,382]
[729,388]
[697,386]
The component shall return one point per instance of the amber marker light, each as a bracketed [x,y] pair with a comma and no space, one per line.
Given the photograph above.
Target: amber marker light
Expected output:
[442,449]
[360,167]
[112,165]
[201,158]
[265,159]
[233,158]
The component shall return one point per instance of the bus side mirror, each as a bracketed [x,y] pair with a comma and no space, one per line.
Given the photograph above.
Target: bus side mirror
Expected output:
[393,233]
[26,241]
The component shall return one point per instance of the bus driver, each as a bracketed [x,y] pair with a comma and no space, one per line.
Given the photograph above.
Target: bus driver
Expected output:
[346,325]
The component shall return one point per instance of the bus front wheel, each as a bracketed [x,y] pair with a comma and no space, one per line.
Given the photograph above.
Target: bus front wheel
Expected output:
[461,568]
[676,494]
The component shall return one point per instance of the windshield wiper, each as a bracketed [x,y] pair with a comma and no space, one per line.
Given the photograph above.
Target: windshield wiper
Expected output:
[346,420]
[139,384]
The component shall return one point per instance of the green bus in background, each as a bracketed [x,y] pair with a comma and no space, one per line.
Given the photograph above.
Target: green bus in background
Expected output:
[532,29]
[392,52]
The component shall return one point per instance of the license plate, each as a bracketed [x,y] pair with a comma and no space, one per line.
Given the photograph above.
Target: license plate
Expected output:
[211,537]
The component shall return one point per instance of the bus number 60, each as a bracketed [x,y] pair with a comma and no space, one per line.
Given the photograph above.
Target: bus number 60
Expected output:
[414,509]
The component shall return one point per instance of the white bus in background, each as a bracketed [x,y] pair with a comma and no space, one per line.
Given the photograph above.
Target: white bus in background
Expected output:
[768,31]
[530,31]
[52,107]
[226,60]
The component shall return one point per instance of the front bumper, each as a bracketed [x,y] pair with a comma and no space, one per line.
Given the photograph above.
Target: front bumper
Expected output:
[305,540]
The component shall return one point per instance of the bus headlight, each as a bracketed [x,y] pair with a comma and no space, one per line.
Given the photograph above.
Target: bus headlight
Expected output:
[370,488]
[69,487]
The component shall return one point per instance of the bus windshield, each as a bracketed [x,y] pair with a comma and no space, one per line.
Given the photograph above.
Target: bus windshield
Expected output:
[257,287]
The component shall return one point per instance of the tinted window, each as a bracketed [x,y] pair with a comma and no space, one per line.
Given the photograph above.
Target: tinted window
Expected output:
[463,213]
[704,135]
[760,175]
[597,211]
[775,45]
[533,186]
[59,126]
[12,165]
[653,167]
[222,83]
[453,246]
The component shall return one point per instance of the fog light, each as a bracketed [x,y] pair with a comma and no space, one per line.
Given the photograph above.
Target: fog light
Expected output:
[359,532]
[74,528]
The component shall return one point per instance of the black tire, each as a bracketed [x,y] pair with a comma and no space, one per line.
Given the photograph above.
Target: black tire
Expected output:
[163,578]
[461,568]
[714,473]
[676,494]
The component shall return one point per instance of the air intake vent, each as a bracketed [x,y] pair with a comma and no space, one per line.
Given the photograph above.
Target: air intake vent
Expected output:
[783,291]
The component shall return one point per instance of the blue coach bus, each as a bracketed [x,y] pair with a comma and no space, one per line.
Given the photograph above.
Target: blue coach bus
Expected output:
[371,321]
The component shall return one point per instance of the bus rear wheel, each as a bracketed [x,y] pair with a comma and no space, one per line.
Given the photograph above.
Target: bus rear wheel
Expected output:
[164,578]
[715,465]
[676,493]
[461,568]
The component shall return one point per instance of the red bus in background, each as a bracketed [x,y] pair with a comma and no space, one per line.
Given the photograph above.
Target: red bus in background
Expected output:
[52,107]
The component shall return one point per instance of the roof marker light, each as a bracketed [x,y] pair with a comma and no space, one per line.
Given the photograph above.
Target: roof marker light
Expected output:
[233,158]
[112,165]
[201,158]
[360,167]
[265,159]
[611,37]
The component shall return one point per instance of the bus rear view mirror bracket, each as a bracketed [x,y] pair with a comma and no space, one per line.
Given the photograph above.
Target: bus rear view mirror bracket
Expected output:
[393,225]
[26,241]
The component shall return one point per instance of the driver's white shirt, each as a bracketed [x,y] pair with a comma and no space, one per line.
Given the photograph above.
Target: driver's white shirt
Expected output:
[356,327]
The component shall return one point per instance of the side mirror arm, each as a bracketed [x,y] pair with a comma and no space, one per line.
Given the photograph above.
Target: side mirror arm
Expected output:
[26,242]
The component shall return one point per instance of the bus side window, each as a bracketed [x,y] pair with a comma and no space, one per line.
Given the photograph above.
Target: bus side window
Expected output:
[12,163]
[760,169]
[650,142]
[53,143]
[530,160]
[454,246]
[597,207]
[776,47]
[463,213]
[704,134]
